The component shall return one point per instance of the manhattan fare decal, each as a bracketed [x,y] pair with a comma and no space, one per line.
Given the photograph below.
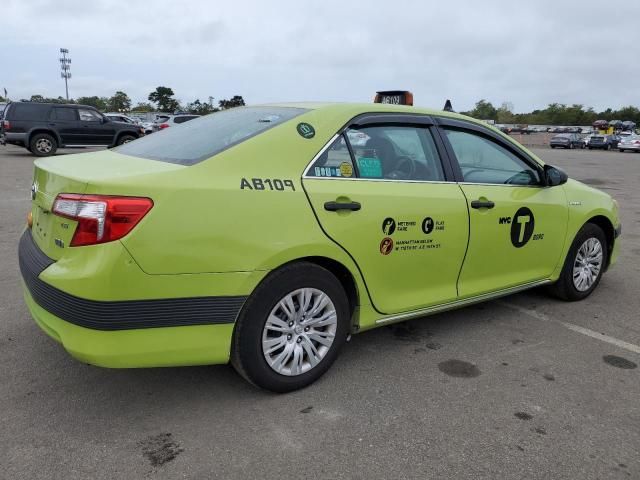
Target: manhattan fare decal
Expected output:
[521,229]
[426,225]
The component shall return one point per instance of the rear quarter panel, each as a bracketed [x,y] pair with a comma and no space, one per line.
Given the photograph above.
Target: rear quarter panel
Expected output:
[221,215]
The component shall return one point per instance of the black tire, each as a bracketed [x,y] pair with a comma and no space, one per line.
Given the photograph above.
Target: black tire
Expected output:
[564,287]
[553,146]
[590,148]
[622,150]
[247,355]
[126,139]
[43,145]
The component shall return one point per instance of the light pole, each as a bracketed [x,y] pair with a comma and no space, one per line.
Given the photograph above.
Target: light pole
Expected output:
[65,67]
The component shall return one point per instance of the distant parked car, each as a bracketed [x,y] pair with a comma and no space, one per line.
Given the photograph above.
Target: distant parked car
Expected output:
[566,140]
[604,142]
[42,128]
[119,117]
[629,143]
[167,121]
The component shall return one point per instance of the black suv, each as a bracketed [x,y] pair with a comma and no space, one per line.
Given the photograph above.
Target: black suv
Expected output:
[42,128]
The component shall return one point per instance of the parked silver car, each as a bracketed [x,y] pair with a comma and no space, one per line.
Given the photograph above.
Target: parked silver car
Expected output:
[629,143]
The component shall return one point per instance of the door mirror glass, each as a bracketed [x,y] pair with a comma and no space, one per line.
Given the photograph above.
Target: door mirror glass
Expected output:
[554,176]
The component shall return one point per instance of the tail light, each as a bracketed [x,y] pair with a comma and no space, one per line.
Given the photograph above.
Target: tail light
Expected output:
[6,124]
[163,125]
[101,218]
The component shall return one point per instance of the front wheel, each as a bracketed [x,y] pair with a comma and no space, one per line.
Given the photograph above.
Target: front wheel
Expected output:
[125,139]
[583,266]
[291,329]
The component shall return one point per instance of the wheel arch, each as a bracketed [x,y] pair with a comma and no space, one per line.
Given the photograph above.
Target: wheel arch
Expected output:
[48,131]
[342,273]
[609,231]
[122,133]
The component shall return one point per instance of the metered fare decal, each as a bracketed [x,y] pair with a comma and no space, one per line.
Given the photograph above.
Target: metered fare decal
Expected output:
[417,228]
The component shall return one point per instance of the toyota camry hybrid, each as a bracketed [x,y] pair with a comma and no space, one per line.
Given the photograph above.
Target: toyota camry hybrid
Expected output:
[264,236]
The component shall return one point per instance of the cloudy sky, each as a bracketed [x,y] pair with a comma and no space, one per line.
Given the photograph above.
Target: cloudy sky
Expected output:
[528,53]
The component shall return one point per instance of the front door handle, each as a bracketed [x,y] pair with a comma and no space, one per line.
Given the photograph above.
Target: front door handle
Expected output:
[335,206]
[482,204]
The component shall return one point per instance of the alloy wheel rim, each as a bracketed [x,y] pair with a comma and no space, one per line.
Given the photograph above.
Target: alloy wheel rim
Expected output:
[43,145]
[588,264]
[299,331]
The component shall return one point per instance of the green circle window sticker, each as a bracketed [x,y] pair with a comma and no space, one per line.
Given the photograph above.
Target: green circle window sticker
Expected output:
[305,130]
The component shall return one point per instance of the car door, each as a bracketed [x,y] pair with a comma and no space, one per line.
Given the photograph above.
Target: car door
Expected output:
[65,121]
[517,225]
[96,131]
[382,192]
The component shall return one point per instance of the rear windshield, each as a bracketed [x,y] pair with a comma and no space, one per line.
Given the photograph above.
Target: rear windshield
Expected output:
[203,137]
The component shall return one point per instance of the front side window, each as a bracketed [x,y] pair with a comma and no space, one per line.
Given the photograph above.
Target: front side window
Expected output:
[484,161]
[89,115]
[203,137]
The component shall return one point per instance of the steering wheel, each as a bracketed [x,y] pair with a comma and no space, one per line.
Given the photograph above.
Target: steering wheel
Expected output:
[405,168]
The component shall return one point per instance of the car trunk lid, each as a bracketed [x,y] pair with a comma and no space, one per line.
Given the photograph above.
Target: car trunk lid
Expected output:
[79,174]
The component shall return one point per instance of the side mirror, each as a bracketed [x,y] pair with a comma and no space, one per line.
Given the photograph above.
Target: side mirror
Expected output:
[105,120]
[554,176]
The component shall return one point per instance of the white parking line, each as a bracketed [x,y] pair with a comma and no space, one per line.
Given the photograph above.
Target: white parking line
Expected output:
[576,328]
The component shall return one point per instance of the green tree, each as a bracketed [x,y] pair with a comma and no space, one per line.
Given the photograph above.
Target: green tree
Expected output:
[143,107]
[97,102]
[163,98]
[120,102]
[235,101]
[504,113]
[484,110]
[200,108]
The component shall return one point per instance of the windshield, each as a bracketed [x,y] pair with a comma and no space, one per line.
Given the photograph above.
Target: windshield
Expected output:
[201,138]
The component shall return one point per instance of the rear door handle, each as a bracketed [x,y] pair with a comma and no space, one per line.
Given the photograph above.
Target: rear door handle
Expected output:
[482,204]
[335,206]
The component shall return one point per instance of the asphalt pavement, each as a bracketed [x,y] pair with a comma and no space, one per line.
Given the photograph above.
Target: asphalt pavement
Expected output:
[522,387]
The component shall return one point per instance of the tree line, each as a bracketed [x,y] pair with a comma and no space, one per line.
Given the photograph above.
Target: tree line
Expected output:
[161,99]
[554,114]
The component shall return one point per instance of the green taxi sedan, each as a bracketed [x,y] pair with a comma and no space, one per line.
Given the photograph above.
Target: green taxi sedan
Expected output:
[264,236]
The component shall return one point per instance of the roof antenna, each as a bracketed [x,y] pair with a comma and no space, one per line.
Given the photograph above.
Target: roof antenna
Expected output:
[447,106]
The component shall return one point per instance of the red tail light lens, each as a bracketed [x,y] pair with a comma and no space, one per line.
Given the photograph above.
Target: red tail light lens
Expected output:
[101,218]
[6,124]
[164,125]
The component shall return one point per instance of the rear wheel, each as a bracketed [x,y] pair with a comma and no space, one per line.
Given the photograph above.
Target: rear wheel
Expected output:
[291,329]
[583,266]
[43,145]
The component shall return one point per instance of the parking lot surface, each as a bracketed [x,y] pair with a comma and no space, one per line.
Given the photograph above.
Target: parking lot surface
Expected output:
[522,387]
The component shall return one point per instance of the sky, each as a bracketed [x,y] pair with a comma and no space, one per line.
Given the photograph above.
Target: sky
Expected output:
[527,53]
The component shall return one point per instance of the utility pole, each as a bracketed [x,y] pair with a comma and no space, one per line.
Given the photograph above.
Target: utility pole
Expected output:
[65,67]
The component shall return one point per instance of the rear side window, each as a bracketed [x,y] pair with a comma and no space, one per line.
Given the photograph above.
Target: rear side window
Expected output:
[64,114]
[28,111]
[203,137]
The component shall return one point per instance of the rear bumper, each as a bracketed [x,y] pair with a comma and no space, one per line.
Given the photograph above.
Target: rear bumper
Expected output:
[13,138]
[128,333]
